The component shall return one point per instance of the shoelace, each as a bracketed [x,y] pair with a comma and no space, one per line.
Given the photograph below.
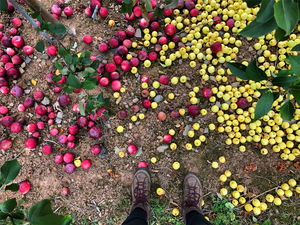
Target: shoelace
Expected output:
[193,198]
[141,195]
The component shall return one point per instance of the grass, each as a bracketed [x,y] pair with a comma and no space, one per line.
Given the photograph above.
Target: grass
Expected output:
[161,215]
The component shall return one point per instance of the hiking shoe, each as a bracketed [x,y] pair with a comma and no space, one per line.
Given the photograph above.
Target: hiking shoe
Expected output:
[140,188]
[192,194]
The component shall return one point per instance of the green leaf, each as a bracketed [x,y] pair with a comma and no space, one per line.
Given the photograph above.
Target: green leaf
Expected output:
[127,1]
[40,46]
[284,73]
[89,85]
[64,71]
[39,18]
[267,222]
[68,59]
[280,34]
[149,7]
[81,108]
[100,97]
[256,29]
[57,78]
[295,90]
[60,29]
[86,61]
[254,219]
[287,15]
[294,60]
[287,110]
[67,90]
[238,70]
[50,28]
[9,205]
[275,95]
[263,105]
[284,82]
[296,48]
[39,209]
[3,5]
[172,5]
[251,3]
[66,220]
[9,171]
[95,64]
[75,60]
[62,51]
[3,216]
[58,65]
[18,215]
[266,11]
[89,106]
[35,14]
[158,12]
[89,70]
[254,72]
[12,187]
[74,82]
[263,90]
[48,219]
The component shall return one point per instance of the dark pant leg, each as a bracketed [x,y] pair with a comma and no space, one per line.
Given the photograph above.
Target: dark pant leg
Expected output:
[196,218]
[136,217]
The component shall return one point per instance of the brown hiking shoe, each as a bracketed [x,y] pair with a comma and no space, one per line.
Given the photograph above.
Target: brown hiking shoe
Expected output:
[192,194]
[140,188]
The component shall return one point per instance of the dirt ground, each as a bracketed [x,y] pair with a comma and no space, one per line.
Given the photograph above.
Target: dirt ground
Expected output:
[95,190]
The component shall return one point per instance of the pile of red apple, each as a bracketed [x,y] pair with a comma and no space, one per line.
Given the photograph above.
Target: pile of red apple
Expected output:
[12,44]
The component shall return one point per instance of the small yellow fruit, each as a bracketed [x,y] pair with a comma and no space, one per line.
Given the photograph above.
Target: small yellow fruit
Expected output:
[153,160]
[256,211]
[242,200]
[215,165]
[263,206]
[235,202]
[188,146]
[120,129]
[223,178]
[256,202]
[222,159]
[134,118]
[173,146]
[176,165]
[223,191]
[280,192]
[174,80]
[288,193]
[77,163]
[277,201]
[248,207]
[160,191]
[233,184]
[285,186]
[175,212]
[270,198]
[122,154]
[111,23]
[141,116]
[171,132]
[155,84]
[236,194]
[240,188]
[292,183]
[227,173]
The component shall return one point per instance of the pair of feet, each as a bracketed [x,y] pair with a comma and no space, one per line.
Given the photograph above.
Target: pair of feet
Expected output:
[192,192]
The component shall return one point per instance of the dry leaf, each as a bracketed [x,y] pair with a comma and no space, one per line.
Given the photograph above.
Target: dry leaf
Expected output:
[99,176]
[54,168]
[250,195]
[61,149]
[33,82]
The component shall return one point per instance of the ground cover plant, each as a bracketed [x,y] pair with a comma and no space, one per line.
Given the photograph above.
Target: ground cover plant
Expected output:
[207,86]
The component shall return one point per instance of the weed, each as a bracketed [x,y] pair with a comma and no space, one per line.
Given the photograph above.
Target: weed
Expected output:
[161,216]
[223,211]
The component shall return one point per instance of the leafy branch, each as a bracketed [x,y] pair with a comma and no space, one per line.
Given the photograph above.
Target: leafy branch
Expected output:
[40,213]
[286,80]
[81,73]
